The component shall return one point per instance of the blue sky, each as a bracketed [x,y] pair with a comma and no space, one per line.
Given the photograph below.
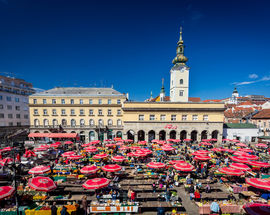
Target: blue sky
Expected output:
[130,44]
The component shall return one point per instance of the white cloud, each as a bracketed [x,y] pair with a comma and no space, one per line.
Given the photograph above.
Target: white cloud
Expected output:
[266,78]
[253,76]
[243,83]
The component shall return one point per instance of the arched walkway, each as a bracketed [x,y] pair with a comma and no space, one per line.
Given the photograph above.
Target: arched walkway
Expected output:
[173,134]
[82,136]
[141,135]
[162,135]
[110,135]
[91,136]
[204,135]
[151,135]
[194,135]
[215,134]
[130,135]
[119,134]
[183,135]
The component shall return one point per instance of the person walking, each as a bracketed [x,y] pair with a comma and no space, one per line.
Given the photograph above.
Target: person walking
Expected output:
[54,209]
[84,204]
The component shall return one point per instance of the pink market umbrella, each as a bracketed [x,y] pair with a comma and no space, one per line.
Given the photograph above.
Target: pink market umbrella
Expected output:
[240,166]
[100,156]
[118,158]
[142,142]
[263,184]
[235,141]
[86,144]
[239,159]
[217,149]
[202,158]
[147,151]
[110,145]
[75,157]
[187,140]
[89,169]
[154,141]
[156,165]
[261,145]
[40,149]
[176,161]
[119,144]
[250,157]
[241,144]
[6,149]
[167,148]
[45,146]
[130,154]
[206,143]
[135,147]
[40,183]
[258,164]
[124,148]
[246,150]
[231,171]
[111,168]
[128,140]
[228,150]
[257,208]
[39,170]
[54,145]
[67,154]
[240,153]
[177,140]
[96,183]
[185,167]
[6,191]
[6,161]
[139,154]
[214,139]
[205,140]
[68,142]
[170,140]
[91,149]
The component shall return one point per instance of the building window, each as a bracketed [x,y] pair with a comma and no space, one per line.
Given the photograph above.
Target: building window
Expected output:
[110,122]
[194,117]
[53,111]
[62,101]
[63,111]
[118,101]
[162,117]
[109,112]
[10,116]
[9,107]
[181,81]
[99,111]
[91,112]
[119,122]
[45,112]
[17,108]
[184,117]
[205,117]
[81,111]
[2,116]
[82,122]
[18,116]
[36,122]
[173,117]
[64,122]
[109,101]
[17,100]
[44,101]
[25,116]
[1,106]
[72,101]
[34,101]
[141,117]
[91,122]
[1,97]
[35,111]
[8,98]
[181,93]
[81,101]
[19,124]
[152,117]
[10,124]
[46,123]
[73,123]
[53,101]
[55,123]
[100,122]
[72,112]
[118,112]
[90,101]
[100,101]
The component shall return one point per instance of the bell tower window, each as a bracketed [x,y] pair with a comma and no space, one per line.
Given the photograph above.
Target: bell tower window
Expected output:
[181,81]
[181,93]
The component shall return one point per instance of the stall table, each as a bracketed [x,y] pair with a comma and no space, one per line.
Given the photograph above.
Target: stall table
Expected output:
[114,209]
[225,209]
[238,189]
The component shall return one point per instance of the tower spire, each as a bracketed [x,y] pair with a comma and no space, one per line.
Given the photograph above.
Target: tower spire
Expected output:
[162,87]
[180,57]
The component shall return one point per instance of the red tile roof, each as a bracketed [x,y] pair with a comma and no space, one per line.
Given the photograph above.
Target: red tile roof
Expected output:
[263,114]
[194,99]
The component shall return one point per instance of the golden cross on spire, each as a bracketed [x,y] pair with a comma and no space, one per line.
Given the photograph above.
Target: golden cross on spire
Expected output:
[180,39]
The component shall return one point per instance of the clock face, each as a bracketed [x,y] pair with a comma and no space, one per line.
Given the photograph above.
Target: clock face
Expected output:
[182,70]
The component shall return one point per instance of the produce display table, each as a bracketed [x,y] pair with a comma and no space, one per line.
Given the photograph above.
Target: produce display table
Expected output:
[238,189]
[229,208]
[114,209]
[48,212]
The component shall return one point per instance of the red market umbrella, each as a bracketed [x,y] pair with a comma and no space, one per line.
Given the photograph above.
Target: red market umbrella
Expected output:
[89,169]
[177,140]
[86,144]
[45,146]
[239,153]
[6,161]
[75,157]
[6,191]
[217,149]
[111,168]
[67,154]
[185,167]
[228,150]
[257,208]
[135,147]
[241,144]
[263,184]
[142,142]
[91,149]
[130,154]
[240,166]
[41,184]
[154,141]
[202,158]
[214,140]
[128,140]
[187,140]
[200,152]
[6,149]
[258,164]
[100,156]
[124,148]
[68,142]
[40,149]
[119,144]
[54,145]
[176,161]
[250,157]
[118,158]
[246,150]
[167,148]
[261,145]
[235,141]
[96,183]
[147,151]
[29,153]
[39,170]
[139,154]
[231,171]
[206,143]
[156,165]
[205,140]
[110,145]
[239,159]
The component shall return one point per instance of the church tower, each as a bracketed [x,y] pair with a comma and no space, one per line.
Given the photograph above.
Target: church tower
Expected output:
[179,74]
